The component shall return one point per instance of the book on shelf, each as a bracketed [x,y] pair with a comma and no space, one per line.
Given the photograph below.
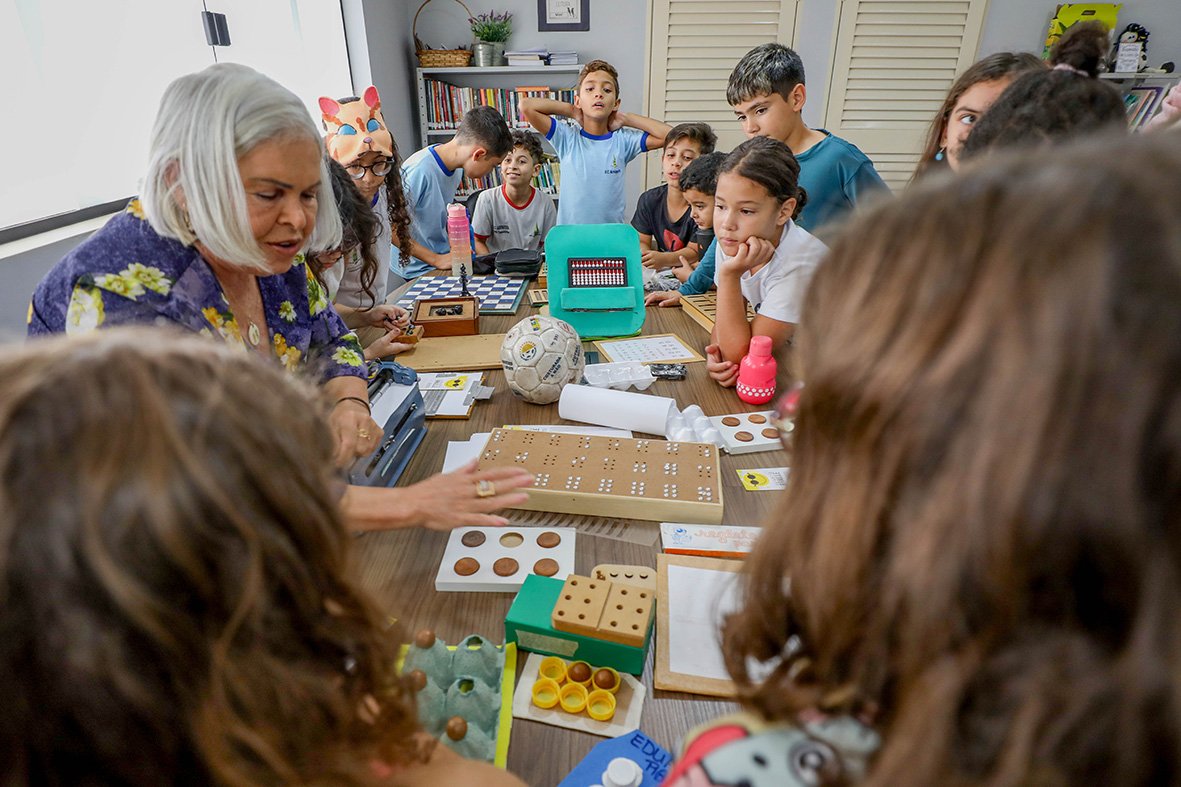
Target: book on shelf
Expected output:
[547,180]
[563,58]
[446,103]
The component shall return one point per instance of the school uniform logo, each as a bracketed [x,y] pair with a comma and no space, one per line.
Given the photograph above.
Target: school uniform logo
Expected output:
[615,170]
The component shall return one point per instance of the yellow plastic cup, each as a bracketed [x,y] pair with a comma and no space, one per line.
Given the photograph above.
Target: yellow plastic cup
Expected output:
[573,697]
[553,668]
[546,693]
[600,705]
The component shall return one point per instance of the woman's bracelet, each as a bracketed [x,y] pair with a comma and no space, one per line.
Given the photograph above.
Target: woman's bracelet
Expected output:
[356,399]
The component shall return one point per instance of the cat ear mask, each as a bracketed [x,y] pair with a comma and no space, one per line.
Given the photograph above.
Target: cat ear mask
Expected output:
[355,127]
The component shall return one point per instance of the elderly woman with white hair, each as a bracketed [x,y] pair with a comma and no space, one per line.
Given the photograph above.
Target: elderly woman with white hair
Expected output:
[236,192]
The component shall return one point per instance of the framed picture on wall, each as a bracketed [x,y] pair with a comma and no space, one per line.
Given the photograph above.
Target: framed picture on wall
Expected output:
[563,15]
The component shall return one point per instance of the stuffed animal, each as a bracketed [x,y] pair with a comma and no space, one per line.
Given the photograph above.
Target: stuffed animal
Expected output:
[1133,34]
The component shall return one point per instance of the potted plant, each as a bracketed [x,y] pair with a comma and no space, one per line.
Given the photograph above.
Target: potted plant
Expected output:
[491,31]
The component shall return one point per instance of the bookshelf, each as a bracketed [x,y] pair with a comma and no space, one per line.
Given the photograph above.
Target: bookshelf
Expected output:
[445,93]
[1152,88]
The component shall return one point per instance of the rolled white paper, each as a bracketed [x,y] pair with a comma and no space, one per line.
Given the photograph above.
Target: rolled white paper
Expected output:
[618,409]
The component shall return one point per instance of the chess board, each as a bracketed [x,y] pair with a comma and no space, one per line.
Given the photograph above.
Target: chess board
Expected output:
[663,481]
[497,294]
[703,309]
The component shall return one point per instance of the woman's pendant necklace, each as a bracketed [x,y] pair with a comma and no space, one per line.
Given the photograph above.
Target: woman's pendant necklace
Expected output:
[253,334]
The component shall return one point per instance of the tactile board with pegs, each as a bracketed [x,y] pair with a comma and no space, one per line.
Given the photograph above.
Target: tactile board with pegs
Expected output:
[497,559]
[604,610]
[747,433]
[664,481]
[703,309]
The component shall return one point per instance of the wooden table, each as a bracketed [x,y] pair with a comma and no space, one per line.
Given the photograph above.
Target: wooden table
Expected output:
[400,566]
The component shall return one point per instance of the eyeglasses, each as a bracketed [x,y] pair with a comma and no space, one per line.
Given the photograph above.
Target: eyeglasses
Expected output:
[378,168]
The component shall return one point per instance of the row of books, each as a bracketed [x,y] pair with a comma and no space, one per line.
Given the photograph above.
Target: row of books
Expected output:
[1142,102]
[446,103]
[547,180]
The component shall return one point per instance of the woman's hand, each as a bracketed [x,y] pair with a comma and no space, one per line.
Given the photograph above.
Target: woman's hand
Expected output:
[752,253]
[386,346]
[466,497]
[665,298]
[386,315]
[357,434]
[724,373]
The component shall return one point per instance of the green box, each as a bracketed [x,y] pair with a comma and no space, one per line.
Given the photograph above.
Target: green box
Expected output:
[528,624]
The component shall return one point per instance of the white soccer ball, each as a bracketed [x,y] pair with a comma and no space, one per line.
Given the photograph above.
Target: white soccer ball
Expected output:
[540,355]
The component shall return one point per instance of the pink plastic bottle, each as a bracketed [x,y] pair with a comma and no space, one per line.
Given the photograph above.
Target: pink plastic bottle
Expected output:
[458,235]
[756,373]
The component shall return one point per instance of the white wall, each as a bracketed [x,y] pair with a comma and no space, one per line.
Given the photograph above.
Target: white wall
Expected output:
[1020,25]
[387,61]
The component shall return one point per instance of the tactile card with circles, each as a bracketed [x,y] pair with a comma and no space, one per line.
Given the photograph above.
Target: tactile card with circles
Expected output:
[497,559]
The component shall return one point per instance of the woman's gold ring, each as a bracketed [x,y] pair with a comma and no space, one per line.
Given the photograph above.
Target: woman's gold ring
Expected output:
[485,489]
[363,434]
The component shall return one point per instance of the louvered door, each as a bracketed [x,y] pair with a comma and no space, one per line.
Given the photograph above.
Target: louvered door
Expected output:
[694,46]
[894,61]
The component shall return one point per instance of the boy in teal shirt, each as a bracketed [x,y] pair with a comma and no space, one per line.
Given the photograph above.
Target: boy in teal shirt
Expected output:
[767,92]
[594,149]
[430,178]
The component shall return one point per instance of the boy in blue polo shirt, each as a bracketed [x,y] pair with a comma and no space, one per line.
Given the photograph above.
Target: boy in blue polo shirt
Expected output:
[430,178]
[767,92]
[595,148]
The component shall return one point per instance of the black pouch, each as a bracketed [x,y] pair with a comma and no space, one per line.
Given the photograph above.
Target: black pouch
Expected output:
[484,265]
[518,263]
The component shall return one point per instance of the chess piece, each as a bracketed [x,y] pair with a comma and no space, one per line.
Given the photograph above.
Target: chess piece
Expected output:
[463,281]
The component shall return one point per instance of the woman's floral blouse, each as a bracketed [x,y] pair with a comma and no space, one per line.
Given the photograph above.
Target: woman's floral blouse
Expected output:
[127,274]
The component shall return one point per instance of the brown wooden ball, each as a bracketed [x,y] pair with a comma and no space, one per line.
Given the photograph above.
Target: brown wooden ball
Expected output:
[604,679]
[417,679]
[579,672]
[424,638]
[456,728]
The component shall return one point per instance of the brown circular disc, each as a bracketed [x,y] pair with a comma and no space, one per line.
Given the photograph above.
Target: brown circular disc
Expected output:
[730,420]
[505,567]
[473,538]
[757,418]
[548,540]
[424,638]
[456,728]
[545,567]
[743,437]
[771,433]
[466,566]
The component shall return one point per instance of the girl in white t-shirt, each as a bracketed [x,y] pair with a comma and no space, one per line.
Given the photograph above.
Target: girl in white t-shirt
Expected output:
[764,258]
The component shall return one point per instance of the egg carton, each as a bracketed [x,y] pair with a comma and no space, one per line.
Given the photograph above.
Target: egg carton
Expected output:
[462,691]
[620,375]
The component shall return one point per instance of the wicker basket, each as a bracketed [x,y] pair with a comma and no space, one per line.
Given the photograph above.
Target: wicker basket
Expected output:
[439,58]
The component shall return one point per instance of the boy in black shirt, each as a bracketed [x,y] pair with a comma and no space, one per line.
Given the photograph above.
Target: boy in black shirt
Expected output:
[662,214]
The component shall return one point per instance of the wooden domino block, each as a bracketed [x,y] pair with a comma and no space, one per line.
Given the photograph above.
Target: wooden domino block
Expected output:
[626,616]
[604,610]
[580,605]
[636,576]
[410,336]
